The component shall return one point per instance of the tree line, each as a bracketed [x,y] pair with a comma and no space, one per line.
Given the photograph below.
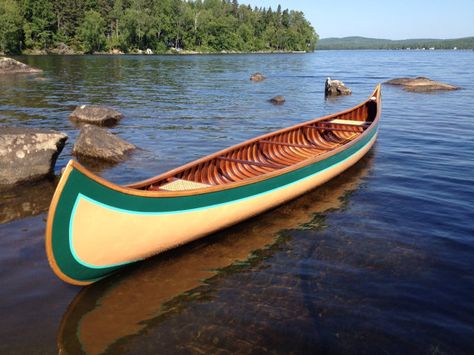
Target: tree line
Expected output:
[161,25]
[375,43]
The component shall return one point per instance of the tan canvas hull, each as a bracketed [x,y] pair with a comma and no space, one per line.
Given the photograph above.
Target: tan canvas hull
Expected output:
[129,236]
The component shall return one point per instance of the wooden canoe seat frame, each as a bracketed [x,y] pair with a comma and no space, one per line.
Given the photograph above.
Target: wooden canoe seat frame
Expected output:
[350,123]
[336,129]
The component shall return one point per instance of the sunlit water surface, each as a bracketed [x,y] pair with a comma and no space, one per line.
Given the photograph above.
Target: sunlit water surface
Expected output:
[379,260]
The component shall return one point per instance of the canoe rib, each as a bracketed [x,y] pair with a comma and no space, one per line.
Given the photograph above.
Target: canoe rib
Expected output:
[95,227]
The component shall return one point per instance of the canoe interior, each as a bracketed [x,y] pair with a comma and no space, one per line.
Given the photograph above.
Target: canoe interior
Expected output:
[268,153]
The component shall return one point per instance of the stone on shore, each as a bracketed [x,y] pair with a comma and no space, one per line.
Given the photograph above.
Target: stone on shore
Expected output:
[421,84]
[98,143]
[115,51]
[98,115]
[28,154]
[12,66]
[257,77]
[336,88]
[277,100]
[62,49]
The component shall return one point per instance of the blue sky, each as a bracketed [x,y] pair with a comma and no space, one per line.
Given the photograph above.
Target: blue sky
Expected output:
[384,19]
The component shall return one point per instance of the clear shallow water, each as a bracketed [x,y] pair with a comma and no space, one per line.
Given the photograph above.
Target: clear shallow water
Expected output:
[381,259]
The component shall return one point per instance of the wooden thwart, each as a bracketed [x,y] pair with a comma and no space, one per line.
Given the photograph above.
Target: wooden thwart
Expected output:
[334,129]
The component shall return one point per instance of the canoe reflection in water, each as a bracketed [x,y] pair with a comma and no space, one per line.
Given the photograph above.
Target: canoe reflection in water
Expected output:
[126,304]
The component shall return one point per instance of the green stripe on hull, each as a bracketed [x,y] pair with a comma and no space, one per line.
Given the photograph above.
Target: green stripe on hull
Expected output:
[78,183]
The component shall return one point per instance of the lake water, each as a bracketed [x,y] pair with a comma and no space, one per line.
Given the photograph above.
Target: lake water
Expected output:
[379,260]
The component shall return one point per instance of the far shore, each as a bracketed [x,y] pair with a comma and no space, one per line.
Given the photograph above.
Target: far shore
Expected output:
[197,53]
[144,52]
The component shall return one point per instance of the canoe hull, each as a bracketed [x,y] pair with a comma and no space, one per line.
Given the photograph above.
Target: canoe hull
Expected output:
[98,229]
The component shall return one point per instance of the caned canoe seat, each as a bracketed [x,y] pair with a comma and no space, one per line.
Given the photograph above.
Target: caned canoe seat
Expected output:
[182,185]
[348,122]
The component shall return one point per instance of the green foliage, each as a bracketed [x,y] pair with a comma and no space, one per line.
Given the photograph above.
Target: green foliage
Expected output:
[161,25]
[91,32]
[39,22]
[10,26]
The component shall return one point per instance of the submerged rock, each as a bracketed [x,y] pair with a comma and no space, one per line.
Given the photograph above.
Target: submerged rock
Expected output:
[98,143]
[31,199]
[12,66]
[277,100]
[98,115]
[28,153]
[257,77]
[336,88]
[421,84]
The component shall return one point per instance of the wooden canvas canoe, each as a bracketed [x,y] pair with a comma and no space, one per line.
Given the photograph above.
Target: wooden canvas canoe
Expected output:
[95,227]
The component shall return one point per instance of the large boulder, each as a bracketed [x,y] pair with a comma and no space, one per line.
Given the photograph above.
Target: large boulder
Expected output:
[336,88]
[421,84]
[277,100]
[257,77]
[98,115]
[12,66]
[28,153]
[98,143]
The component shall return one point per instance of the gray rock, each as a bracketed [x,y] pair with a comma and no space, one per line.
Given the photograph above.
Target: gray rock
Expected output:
[421,84]
[336,88]
[28,154]
[98,115]
[12,66]
[98,143]
[62,49]
[277,100]
[257,77]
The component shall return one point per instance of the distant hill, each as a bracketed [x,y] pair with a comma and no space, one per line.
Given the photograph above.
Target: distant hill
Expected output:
[376,43]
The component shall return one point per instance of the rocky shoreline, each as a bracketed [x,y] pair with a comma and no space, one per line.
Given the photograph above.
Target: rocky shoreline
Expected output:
[55,51]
